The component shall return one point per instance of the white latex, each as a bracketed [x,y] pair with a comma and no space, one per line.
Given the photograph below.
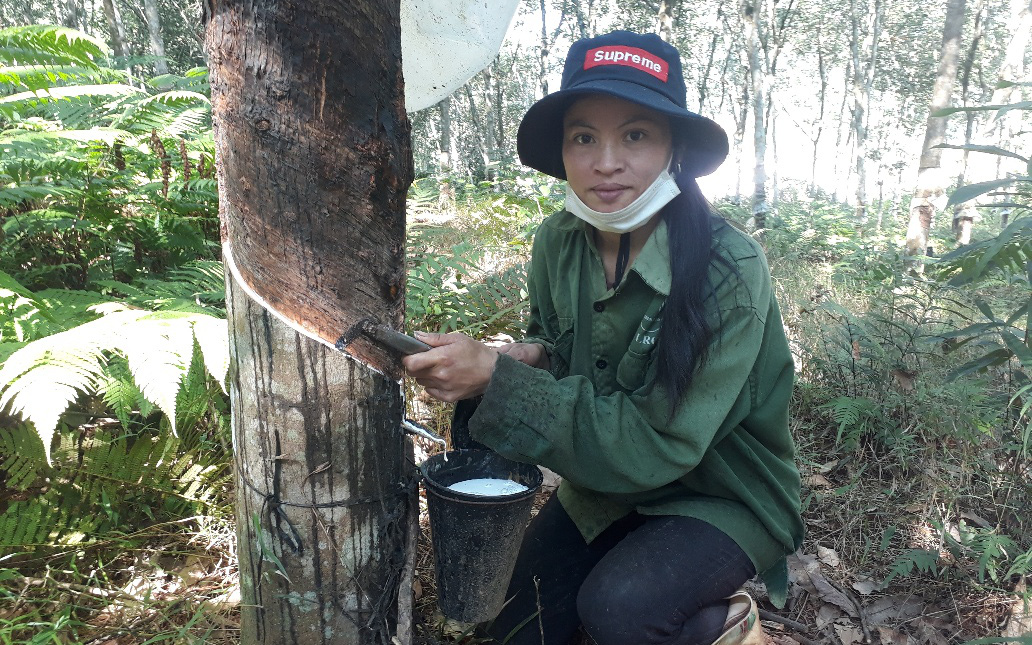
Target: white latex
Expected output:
[445,42]
[632,216]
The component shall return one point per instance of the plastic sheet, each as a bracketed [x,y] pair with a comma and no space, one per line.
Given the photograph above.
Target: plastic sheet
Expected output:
[445,42]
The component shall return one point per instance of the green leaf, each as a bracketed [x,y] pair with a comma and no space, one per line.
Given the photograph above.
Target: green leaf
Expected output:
[996,150]
[1020,349]
[986,310]
[969,192]
[1000,109]
[993,358]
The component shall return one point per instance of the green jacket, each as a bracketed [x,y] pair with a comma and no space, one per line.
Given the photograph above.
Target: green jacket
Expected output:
[602,421]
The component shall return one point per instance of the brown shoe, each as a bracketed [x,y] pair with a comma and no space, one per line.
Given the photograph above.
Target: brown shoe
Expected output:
[742,626]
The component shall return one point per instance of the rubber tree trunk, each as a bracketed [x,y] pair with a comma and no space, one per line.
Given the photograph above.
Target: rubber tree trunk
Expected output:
[314,162]
[931,182]
[157,40]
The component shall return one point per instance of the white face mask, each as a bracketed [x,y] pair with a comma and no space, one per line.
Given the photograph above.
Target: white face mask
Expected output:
[632,216]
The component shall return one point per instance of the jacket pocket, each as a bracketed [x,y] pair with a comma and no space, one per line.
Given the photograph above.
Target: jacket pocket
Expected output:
[632,371]
[562,349]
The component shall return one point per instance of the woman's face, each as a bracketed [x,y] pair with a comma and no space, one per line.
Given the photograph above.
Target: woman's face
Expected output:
[613,150]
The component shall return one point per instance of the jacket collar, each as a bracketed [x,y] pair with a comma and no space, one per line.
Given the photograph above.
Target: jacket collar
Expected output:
[652,263]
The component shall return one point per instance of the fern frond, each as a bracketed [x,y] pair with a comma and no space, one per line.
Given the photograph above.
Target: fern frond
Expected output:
[159,351]
[922,560]
[49,45]
[40,380]
[197,286]
[36,77]
[170,114]
[97,93]
[119,392]
[22,458]
[851,414]
[213,338]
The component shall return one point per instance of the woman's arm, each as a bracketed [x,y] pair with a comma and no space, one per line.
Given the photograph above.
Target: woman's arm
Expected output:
[627,443]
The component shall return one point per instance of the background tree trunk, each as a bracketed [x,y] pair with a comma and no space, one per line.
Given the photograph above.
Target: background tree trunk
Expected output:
[818,126]
[760,207]
[931,184]
[157,41]
[585,19]
[964,215]
[115,28]
[444,157]
[314,162]
[665,20]
[863,47]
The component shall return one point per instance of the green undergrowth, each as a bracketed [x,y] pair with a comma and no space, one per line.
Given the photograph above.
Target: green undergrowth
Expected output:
[909,408]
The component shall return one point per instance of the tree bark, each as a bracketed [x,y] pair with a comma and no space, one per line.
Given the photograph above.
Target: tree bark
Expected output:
[1012,69]
[320,511]
[157,41]
[490,131]
[963,214]
[543,53]
[839,183]
[314,162]
[704,78]
[931,184]
[547,42]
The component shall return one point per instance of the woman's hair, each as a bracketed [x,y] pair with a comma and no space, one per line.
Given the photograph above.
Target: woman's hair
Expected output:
[685,334]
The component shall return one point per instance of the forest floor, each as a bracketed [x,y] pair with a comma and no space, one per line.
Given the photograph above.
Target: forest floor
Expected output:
[831,602]
[183,588]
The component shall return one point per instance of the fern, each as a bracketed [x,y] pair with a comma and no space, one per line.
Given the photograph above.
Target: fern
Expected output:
[41,380]
[1011,250]
[198,286]
[851,414]
[145,472]
[22,460]
[494,305]
[49,45]
[119,392]
[922,560]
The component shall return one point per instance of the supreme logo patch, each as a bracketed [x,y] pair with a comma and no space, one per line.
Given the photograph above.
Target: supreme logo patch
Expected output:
[629,57]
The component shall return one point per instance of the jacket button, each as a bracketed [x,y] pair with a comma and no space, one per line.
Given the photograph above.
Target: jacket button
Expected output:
[600,306]
[601,364]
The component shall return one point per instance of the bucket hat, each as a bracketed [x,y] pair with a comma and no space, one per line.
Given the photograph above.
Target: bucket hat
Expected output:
[640,68]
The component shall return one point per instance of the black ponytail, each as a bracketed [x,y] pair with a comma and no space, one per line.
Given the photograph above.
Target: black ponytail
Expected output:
[686,332]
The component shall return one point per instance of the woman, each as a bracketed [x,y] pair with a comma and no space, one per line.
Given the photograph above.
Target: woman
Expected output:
[654,378]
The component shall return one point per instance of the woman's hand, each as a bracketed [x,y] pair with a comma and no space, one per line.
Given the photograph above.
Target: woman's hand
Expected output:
[457,367]
[532,354]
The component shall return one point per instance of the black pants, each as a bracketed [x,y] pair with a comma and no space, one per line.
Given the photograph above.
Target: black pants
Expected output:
[646,579]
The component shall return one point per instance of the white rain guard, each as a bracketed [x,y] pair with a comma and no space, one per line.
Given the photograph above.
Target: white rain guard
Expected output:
[445,42]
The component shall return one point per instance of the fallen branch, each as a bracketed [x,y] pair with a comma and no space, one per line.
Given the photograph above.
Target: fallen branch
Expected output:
[795,626]
[96,592]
